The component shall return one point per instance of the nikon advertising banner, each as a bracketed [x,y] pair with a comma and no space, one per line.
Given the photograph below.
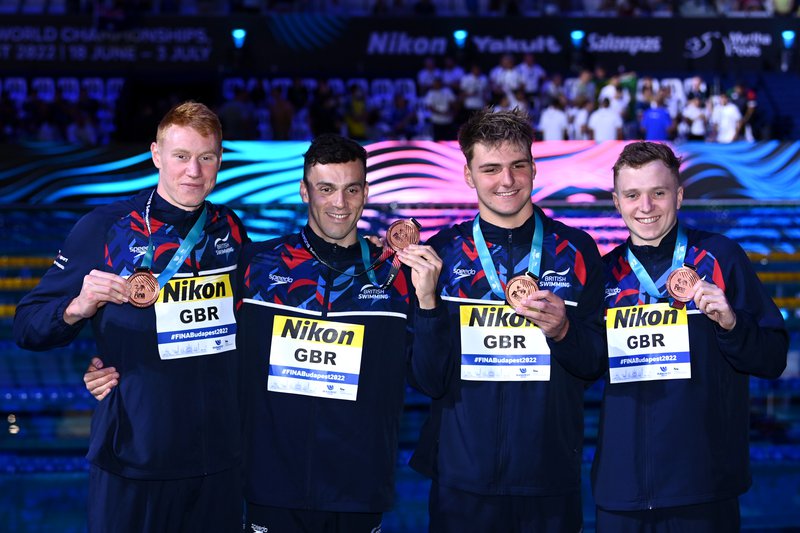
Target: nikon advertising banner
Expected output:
[371,47]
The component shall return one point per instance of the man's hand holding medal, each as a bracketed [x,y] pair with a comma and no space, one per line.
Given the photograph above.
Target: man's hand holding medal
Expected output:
[98,289]
[545,309]
[403,237]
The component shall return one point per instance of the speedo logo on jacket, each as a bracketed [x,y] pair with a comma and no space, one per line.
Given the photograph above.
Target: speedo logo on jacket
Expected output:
[463,273]
[280,280]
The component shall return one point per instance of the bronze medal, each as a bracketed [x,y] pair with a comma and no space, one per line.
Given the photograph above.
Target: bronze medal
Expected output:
[518,288]
[680,283]
[143,288]
[402,233]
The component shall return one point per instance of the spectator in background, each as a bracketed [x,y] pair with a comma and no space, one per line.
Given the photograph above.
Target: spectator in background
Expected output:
[673,100]
[426,75]
[725,120]
[82,130]
[600,77]
[518,100]
[584,87]
[441,102]
[452,74]
[644,101]
[532,76]
[656,124]
[323,113]
[554,123]
[238,116]
[281,114]
[553,88]
[297,94]
[504,78]
[745,99]
[605,124]
[356,113]
[402,119]
[578,114]
[617,95]
[695,117]
[474,90]
[646,90]
[697,88]
[504,104]
[45,129]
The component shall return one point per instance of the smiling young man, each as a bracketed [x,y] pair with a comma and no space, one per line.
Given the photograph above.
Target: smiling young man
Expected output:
[324,325]
[165,443]
[504,438]
[688,323]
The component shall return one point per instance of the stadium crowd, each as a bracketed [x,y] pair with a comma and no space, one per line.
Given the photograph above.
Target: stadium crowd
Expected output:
[594,105]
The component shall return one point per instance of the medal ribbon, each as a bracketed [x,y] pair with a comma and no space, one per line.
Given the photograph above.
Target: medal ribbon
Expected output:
[183,250]
[644,278]
[369,269]
[534,258]
[384,256]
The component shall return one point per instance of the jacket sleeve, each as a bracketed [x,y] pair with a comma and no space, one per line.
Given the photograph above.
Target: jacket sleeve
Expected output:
[758,343]
[582,352]
[429,358]
[430,361]
[39,318]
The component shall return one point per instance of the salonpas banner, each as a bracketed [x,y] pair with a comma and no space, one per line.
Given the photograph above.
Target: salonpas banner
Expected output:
[373,47]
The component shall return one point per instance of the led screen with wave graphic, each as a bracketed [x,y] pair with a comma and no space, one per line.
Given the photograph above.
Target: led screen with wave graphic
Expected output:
[407,173]
[419,179]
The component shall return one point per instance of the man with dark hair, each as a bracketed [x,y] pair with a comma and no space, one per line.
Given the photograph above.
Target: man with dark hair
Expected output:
[672,450]
[324,326]
[503,441]
[165,444]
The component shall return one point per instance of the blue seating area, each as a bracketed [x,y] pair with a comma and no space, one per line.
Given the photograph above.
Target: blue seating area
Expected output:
[78,110]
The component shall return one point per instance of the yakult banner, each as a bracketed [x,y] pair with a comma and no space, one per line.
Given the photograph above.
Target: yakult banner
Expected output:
[338,46]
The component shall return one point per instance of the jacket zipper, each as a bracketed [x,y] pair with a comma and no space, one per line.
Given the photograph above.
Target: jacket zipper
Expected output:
[309,467]
[647,488]
[501,385]
[196,272]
